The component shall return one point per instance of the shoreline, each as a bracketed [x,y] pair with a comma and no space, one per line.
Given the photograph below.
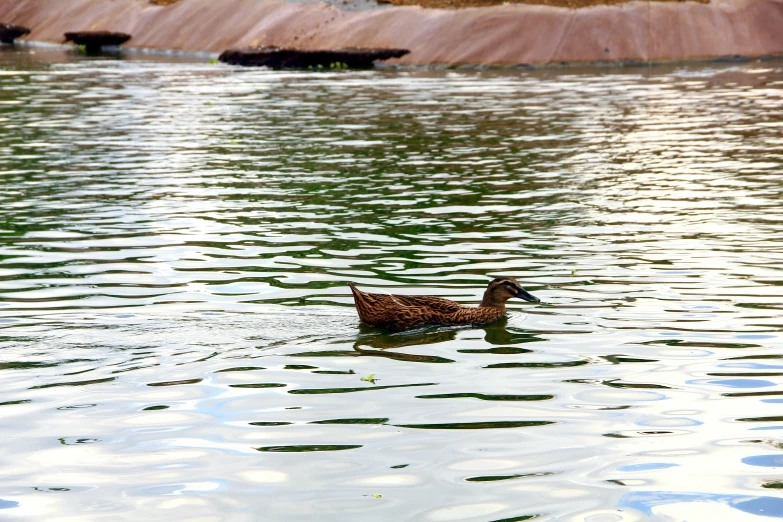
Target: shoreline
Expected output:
[207,55]
[511,35]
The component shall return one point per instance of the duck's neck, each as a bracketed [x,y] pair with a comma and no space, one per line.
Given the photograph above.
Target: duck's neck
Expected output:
[490,301]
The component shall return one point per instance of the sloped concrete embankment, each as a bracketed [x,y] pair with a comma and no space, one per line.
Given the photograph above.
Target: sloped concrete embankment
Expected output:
[500,35]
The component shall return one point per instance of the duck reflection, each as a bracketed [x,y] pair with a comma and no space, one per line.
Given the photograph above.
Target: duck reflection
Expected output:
[497,333]
[375,338]
[375,342]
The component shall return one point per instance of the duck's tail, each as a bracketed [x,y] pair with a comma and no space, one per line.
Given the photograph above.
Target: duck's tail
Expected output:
[358,295]
[360,300]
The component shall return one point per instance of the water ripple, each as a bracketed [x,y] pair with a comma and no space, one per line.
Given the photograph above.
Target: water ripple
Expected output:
[177,339]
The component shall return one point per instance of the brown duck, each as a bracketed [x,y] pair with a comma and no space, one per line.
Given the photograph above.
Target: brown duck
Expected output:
[402,312]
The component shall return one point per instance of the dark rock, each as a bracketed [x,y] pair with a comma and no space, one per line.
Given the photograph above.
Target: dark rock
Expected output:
[94,40]
[281,58]
[10,32]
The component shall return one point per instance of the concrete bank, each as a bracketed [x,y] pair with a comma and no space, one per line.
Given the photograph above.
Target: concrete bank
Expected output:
[501,35]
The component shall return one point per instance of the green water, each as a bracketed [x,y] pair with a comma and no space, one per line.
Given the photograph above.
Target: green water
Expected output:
[177,341]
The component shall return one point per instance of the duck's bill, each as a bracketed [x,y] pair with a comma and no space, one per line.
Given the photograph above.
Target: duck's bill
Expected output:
[527,296]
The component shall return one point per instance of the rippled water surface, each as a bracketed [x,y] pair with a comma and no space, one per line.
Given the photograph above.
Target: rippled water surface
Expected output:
[177,341]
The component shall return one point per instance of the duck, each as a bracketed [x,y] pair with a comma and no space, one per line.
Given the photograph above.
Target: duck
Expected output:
[403,312]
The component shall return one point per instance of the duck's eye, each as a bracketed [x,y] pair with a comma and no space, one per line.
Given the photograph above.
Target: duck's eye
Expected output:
[512,287]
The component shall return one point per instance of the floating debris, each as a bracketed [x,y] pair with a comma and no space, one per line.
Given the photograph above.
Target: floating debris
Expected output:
[370,378]
[10,32]
[282,58]
[93,41]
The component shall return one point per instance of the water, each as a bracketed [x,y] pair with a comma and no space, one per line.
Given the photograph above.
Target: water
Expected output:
[178,342]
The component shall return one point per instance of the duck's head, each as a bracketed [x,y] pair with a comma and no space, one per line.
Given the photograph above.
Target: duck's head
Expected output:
[501,289]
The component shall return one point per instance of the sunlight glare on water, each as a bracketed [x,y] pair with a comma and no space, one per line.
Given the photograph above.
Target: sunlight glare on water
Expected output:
[177,340]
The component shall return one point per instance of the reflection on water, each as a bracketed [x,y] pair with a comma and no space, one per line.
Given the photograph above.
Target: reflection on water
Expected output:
[177,340]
